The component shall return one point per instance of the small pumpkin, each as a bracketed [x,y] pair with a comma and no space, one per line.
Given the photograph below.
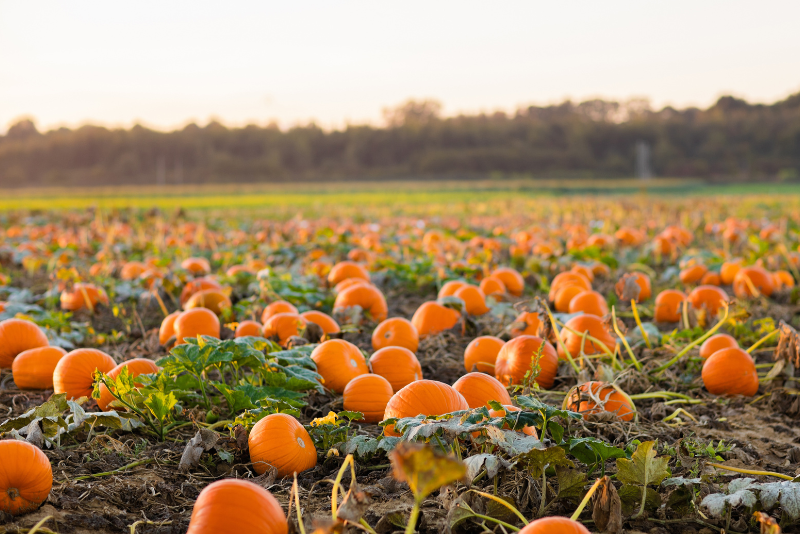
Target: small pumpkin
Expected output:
[167,329]
[196,322]
[554,525]
[283,326]
[516,359]
[595,397]
[248,328]
[395,332]
[73,373]
[236,505]
[514,282]
[750,278]
[196,266]
[526,324]
[26,477]
[481,354]
[493,286]
[479,388]
[327,323]
[709,297]
[16,336]
[368,394]
[568,278]
[213,299]
[132,270]
[280,441]
[730,372]
[197,285]
[589,302]
[693,273]
[528,430]
[474,299]
[715,343]
[564,297]
[33,368]
[572,336]
[347,269]
[641,280]
[136,367]
[423,397]
[398,365]
[668,306]
[276,307]
[432,318]
[368,298]
[338,361]
[77,298]
[450,287]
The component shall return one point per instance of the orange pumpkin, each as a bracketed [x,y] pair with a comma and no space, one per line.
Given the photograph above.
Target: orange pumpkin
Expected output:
[474,299]
[588,302]
[580,324]
[783,279]
[73,373]
[16,336]
[196,322]
[76,299]
[584,270]
[283,326]
[564,297]
[327,323]
[338,361]
[167,329]
[368,297]
[516,358]
[730,372]
[196,285]
[33,368]
[236,270]
[611,400]
[668,306]
[449,288]
[715,343]
[729,270]
[554,525]
[493,286]
[711,279]
[709,297]
[136,367]
[395,332]
[347,269]
[196,266]
[527,324]
[398,365]
[211,299]
[693,273]
[248,328]
[641,279]
[568,278]
[432,318]
[758,277]
[280,441]
[274,308]
[481,354]
[349,282]
[423,397]
[368,394]
[132,270]
[236,505]
[26,477]
[514,282]
[478,389]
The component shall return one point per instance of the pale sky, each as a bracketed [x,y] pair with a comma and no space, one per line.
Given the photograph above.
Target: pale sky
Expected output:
[166,63]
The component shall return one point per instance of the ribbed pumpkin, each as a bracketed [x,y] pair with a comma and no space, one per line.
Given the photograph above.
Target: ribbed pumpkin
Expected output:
[347,269]
[554,525]
[395,332]
[16,336]
[589,302]
[516,358]
[450,287]
[211,299]
[167,329]
[26,477]
[398,365]
[511,278]
[761,280]
[338,361]
[75,299]
[283,326]
[526,324]
[580,324]
[432,318]
[327,323]
[368,297]
[196,266]
[479,388]
[274,308]
[709,297]
[481,353]
[73,373]
[668,306]
[423,397]
[136,367]
[279,440]
[715,343]
[235,505]
[33,368]
[474,299]
[197,285]
[368,394]
[730,371]
[196,322]
[248,328]
[611,400]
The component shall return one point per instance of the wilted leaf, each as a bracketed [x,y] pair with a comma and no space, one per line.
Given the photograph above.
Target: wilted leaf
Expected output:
[423,468]
[512,443]
[203,440]
[607,508]
[644,468]
[786,492]
[491,462]
[538,460]
[570,484]
[354,504]
[739,494]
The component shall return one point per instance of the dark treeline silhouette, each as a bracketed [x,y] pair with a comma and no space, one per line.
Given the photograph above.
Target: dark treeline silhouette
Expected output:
[730,141]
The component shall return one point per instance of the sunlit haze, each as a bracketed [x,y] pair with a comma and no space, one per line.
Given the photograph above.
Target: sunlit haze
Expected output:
[164,64]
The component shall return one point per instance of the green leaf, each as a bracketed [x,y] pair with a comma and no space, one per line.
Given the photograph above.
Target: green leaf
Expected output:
[644,468]
[537,460]
[160,404]
[571,483]
[631,497]
[593,451]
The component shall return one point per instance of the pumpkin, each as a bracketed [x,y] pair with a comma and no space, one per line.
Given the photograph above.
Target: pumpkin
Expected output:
[283,326]
[528,430]
[211,299]
[368,297]
[590,302]
[511,278]
[33,368]
[610,400]
[584,270]
[668,306]
[580,324]
[554,525]
[76,299]
[783,279]
[693,273]
[398,365]
[26,477]
[73,373]
[338,361]
[280,441]
[474,299]
[478,389]
[758,277]
[481,354]
[19,335]
[167,329]
[248,328]
[527,324]
[641,280]
[197,285]
[710,279]
[715,343]
[395,332]
[568,279]
[349,282]
[136,367]
[564,297]
[493,286]
[196,266]
[132,270]
[237,270]
[432,318]
[730,371]
[327,323]
[449,288]
[368,394]
[729,270]
[196,322]
[516,358]
[274,308]
[423,397]
[236,505]
[709,297]
[347,269]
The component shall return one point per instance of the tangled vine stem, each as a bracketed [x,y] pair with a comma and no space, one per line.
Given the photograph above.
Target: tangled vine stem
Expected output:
[690,346]
[624,341]
[751,472]
[114,472]
[560,341]
[763,340]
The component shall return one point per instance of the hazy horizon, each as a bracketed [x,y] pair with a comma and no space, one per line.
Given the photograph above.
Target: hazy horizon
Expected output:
[167,65]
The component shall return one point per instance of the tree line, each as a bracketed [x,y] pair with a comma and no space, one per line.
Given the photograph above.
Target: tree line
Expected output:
[731,140]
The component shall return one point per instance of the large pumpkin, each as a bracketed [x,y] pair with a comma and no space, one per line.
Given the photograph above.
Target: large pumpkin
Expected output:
[73,373]
[423,397]
[432,318]
[580,324]
[26,477]
[398,365]
[18,335]
[33,368]
[368,394]
[235,505]
[395,332]
[730,372]
[338,361]
[367,297]
[478,389]
[481,354]
[280,441]
[196,322]
[136,367]
[517,356]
